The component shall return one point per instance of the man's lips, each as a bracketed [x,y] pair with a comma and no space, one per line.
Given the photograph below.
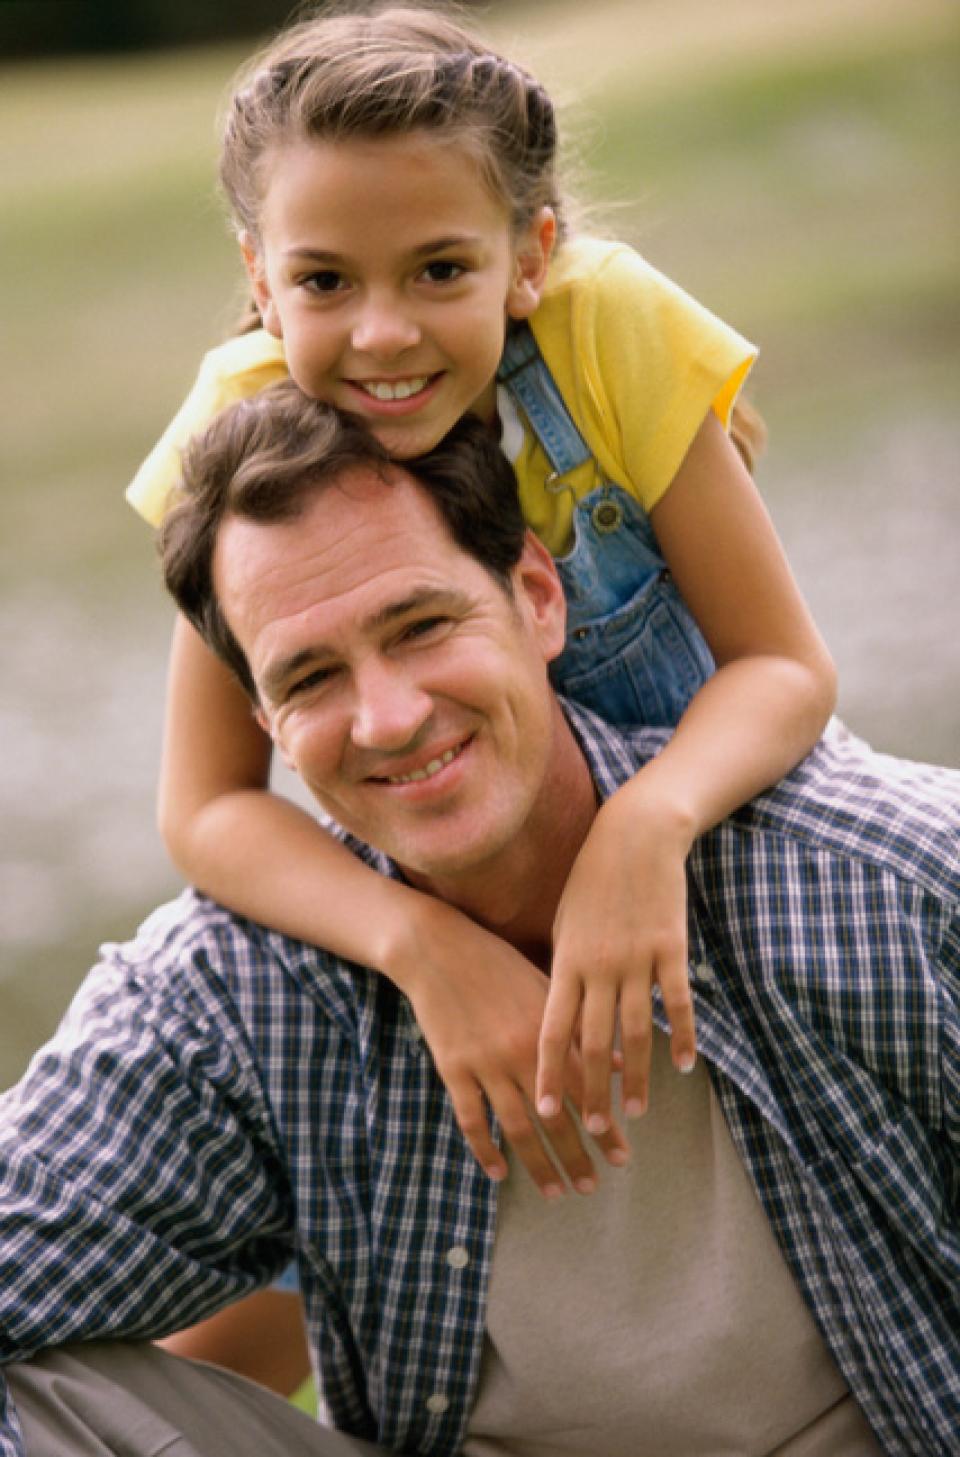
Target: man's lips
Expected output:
[424,769]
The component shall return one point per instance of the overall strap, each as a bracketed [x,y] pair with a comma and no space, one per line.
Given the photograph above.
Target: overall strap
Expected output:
[524,373]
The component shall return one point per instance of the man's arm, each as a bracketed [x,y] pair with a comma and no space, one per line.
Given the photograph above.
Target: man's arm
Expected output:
[140,1188]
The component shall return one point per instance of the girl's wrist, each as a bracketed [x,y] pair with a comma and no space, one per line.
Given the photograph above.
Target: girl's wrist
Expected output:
[670,818]
[407,924]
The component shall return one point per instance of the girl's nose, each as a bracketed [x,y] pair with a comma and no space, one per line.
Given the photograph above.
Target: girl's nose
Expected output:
[384,328]
[390,708]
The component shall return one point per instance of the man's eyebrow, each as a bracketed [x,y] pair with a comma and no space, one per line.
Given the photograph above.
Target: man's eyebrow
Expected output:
[420,599]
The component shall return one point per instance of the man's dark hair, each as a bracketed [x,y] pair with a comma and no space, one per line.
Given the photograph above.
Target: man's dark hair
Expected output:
[262,460]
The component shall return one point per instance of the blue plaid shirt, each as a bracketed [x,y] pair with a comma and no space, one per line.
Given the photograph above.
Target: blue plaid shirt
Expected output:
[220,1098]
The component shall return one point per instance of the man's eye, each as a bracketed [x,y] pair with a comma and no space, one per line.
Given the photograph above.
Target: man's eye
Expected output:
[443,270]
[316,679]
[425,627]
[326,281]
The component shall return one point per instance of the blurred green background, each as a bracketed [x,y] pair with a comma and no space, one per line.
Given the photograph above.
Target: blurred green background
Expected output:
[794,166]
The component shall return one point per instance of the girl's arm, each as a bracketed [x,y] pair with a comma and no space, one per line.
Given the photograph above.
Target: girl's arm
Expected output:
[478,1002]
[621,925]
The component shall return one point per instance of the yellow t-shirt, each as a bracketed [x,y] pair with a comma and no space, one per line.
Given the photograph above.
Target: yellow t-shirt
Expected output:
[637,361]
[233,371]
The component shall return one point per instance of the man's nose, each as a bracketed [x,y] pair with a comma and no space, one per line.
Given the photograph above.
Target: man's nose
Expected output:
[384,327]
[390,708]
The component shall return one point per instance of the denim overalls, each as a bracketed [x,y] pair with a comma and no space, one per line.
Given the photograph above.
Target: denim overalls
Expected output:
[633,653]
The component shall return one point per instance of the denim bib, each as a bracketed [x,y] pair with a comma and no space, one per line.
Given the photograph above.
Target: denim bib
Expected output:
[633,652]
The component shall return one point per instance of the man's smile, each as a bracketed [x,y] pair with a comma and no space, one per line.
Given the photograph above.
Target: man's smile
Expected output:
[429,770]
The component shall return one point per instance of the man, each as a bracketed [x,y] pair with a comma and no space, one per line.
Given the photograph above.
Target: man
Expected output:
[776,1268]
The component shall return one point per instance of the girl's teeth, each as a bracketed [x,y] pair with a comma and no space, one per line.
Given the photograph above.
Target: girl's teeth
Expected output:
[432,768]
[401,389]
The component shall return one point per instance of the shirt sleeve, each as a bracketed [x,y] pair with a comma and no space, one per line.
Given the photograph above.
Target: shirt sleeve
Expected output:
[140,1185]
[640,363]
[234,371]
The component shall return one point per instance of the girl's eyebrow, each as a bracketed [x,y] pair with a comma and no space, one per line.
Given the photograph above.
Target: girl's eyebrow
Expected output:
[422,250]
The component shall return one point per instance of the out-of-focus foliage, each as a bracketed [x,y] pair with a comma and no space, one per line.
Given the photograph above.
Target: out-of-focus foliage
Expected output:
[97,27]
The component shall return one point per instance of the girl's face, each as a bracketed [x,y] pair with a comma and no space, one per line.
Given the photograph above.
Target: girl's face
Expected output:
[389,271]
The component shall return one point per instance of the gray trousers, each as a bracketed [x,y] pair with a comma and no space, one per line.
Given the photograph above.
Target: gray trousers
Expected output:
[125,1399]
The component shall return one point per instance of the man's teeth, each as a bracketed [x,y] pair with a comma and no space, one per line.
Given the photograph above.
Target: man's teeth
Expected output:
[428,772]
[400,389]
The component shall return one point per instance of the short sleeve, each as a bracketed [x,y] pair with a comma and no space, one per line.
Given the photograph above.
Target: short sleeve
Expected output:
[638,361]
[236,370]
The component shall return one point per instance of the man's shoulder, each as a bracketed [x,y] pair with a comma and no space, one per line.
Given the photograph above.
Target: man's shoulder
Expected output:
[195,953]
[849,801]
[843,800]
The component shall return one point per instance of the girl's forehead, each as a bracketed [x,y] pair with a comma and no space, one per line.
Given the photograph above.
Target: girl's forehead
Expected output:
[424,163]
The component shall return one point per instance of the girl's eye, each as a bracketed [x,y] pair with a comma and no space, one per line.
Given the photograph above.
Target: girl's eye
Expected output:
[443,270]
[326,281]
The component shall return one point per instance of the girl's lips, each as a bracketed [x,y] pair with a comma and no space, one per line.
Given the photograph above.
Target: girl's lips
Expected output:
[369,403]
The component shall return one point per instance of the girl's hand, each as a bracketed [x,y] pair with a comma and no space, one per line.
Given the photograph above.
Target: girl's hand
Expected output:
[620,928]
[479,1004]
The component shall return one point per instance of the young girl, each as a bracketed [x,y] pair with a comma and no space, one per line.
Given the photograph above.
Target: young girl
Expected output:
[394,190]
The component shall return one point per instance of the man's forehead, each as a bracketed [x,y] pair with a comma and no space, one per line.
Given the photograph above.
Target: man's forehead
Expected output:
[360,544]
[348,522]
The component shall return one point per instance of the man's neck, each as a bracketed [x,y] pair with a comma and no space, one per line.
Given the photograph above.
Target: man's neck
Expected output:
[517,893]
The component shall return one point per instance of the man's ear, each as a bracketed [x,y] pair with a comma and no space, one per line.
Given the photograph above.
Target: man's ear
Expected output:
[253,263]
[540,595]
[531,259]
[271,733]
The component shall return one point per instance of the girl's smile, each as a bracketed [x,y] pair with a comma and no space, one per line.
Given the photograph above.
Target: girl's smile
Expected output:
[389,269]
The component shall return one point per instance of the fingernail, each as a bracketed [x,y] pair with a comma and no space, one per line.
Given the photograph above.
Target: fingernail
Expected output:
[548,1107]
[552,1191]
[635,1107]
[585,1186]
[618,1157]
[687,1063]
[596,1123]
[496,1172]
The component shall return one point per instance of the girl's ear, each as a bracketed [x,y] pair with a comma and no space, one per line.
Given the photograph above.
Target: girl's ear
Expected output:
[531,259]
[253,263]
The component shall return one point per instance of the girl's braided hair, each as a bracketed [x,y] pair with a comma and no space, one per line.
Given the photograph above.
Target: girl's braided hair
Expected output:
[384,72]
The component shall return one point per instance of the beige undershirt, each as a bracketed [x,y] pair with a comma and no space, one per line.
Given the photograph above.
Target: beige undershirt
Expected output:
[656,1317]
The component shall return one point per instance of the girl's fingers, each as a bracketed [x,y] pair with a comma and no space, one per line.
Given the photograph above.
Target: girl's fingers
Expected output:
[556,1034]
[551,1151]
[598,1017]
[470,1110]
[636,1041]
[678,1005]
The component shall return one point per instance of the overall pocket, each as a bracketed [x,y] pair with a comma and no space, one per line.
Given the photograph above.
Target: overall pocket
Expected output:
[640,663]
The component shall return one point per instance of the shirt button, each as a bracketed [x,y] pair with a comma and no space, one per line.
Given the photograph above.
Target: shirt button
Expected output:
[704,972]
[437,1404]
[457,1257]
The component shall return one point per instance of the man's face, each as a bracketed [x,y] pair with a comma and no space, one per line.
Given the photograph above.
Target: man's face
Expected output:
[395,674]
